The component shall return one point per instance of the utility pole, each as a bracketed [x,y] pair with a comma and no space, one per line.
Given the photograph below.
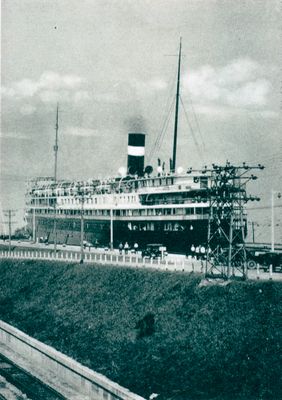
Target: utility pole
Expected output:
[253,230]
[82,230]
[81,194]
[10,214]
[273,192]
[55,179]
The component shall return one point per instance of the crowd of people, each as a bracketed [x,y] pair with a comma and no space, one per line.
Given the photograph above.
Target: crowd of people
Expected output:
[126,248]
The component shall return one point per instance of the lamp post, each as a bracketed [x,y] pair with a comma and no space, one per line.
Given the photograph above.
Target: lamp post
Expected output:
[273,192]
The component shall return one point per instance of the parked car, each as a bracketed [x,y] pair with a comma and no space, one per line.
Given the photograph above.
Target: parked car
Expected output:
[270,258]
[154,250]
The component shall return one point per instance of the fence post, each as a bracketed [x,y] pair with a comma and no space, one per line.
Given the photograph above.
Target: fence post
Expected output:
[258,271]
[202,266]
[270,271]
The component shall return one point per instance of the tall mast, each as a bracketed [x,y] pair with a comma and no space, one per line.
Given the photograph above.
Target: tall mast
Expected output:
[55,179]
[56,143]
[176,111]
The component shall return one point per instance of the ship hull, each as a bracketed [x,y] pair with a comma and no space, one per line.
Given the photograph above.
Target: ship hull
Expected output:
[97,232]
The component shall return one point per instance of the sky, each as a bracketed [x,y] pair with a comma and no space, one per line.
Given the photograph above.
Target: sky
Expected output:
[111,65]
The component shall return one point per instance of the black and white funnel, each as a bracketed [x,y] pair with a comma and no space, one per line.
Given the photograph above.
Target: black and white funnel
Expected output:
[136,153]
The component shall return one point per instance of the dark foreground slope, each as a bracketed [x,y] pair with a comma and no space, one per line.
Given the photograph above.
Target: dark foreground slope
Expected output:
[208,342]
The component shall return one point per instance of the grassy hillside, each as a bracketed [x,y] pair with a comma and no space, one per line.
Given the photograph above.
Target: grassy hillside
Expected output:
[206,343]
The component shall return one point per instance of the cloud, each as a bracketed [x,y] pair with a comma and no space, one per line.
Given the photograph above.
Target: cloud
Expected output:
[147,88]
[27,109]
[79,131]
[224,112]
[14,135]
[251,94]
[50,87]
[241,83]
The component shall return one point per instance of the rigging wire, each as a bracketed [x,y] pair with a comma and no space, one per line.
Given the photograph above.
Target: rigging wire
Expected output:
[166,114]
[196,120]
[161,135]
[192,130]
[166,126]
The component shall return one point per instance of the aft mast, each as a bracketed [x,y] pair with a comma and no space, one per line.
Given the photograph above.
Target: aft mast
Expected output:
[56,147]
[176,111]
[56,144]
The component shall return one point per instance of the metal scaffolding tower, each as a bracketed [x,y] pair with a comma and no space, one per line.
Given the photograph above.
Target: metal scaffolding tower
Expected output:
[227,228]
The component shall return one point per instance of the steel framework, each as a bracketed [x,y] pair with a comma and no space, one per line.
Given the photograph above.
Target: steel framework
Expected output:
[225,250]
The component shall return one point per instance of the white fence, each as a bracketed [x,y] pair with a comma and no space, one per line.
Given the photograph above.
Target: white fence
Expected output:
[131,260]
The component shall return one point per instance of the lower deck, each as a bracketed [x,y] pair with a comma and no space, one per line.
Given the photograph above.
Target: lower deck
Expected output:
[177,236]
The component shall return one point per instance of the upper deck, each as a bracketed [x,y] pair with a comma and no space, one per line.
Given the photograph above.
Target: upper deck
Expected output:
[162,184]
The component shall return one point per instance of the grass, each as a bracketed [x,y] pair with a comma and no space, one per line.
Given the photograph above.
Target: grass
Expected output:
[207,343]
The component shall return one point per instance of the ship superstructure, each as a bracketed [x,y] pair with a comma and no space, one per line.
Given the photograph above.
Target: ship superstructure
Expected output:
[168,208]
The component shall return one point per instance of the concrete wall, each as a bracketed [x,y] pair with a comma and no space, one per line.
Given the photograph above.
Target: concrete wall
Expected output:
[62,373]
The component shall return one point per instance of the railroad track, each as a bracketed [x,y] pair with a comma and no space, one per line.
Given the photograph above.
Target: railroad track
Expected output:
[29,385]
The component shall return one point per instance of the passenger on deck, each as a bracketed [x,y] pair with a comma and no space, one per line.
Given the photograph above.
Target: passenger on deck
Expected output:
[126,247]
[136,247]
[120,247]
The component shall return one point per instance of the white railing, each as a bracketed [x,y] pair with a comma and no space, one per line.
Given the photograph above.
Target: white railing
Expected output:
[130,260]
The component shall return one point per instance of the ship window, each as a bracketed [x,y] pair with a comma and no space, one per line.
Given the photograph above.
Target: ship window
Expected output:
[199,210]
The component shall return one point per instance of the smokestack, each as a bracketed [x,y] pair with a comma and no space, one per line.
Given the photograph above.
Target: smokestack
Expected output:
[136,153]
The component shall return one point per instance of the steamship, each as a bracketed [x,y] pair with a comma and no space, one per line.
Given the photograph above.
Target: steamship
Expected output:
[140,206]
